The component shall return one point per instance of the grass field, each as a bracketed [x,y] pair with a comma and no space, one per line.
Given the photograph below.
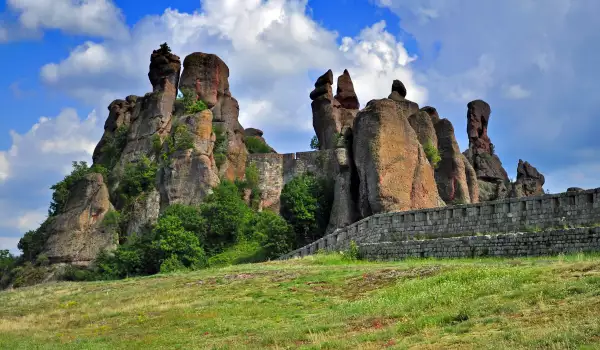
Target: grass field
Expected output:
[320,302]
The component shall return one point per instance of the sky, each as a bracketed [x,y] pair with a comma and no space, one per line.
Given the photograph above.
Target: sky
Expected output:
[64,61]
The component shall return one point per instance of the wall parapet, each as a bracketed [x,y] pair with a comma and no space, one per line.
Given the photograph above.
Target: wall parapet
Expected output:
[502,216]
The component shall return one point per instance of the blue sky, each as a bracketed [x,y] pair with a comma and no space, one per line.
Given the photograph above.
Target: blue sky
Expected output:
[534,61]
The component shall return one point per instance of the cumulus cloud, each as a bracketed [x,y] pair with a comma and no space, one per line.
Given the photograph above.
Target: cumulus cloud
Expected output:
[535,63]
[37,159]
[88,17]
[269,46]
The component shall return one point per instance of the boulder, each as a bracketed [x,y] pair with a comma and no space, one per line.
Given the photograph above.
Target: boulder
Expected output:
[394,172]
[77,235]
[530,182]
[330,115]
[575,189]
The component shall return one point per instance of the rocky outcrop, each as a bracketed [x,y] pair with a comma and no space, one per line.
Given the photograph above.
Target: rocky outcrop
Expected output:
[331,115]
[78,235]
[398,91]
[455,177]
[257,134]
[491,175]
[530,182]
[344,210]
[208,76]
[345,94]
[118,121]
[190,173]
[423,125]
[394,172]
[165,69]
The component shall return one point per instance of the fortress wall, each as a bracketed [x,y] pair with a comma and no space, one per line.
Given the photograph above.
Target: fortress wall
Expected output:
[504,216]
[275,170]
[503,245]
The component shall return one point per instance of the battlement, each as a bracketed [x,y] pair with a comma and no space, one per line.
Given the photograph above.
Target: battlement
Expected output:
[532,214]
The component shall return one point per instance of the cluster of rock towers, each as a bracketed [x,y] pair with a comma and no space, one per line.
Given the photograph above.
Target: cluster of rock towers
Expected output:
[381,160]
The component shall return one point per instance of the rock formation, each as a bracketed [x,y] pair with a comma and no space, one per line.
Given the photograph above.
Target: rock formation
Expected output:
[208,76]
[332,114]
[78,235]
[165,69]
[258,134]
[394,172]
[529,181]
[455,177]
[492,177]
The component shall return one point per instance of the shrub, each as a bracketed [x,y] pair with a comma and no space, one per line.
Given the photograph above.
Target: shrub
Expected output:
[256,145]
[164,48]
[139,177]
[29,275]
[220,147]
[33,241]
[183,138]
[62,189]
[314,143]
[306,203]
[352,253]
[190,101]
[42,260]
[112,220]
[432,153]
[114,146]
[173,243]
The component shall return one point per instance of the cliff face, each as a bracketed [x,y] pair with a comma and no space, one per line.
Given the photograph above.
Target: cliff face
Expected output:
[159,150]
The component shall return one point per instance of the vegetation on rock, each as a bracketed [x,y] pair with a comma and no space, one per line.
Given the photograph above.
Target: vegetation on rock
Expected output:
[256,145]
[314,143]
[432,153]
[220,148]
[190,101]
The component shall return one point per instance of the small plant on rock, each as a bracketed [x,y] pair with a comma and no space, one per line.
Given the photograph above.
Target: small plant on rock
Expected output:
[432,153]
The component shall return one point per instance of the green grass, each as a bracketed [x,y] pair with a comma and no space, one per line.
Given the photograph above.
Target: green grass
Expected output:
[320,302]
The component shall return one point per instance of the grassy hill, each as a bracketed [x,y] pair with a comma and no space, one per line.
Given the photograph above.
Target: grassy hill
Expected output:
[320,302]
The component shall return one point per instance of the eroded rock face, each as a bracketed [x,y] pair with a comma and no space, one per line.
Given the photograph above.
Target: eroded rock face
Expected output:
[345,92]
[190,173]
[144,213]
[455,177]
[530,182]
[394,172]
[492,177]
[398,91]
[331,115]
[165,69]
[258,134]
[423,125]
[77,236]
[344,210]
[119,116]
[208,76]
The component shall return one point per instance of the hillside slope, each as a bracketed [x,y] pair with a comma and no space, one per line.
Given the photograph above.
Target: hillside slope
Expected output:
[320,302]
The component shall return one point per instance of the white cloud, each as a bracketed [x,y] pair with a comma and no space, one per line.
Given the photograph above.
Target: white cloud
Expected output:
[539,73]
[4,167]
[31,220]
[269,47]
[516,92]
[87,17]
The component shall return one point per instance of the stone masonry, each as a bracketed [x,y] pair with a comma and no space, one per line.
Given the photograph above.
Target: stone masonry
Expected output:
[500,217]
[275,170]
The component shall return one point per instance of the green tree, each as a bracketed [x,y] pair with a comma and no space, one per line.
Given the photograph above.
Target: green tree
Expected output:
[226,216]
[173,243]
[432,153]
[306,203]
[256,145]
[62,189]
[139,177]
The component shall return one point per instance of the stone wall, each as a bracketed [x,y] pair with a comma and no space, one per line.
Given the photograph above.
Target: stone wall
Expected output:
[504,216]
[275,170]
[503,245]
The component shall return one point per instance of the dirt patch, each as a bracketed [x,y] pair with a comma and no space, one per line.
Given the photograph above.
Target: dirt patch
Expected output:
[373,323]
[382,278]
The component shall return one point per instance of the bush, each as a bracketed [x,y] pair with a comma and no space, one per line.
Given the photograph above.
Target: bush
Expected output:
[432,153]
[29,275]
[139,177]
[183,138]
[220,148]
[256,145]
[314,143]
[352,253]
[190,101]
[113,148]
[306,203]
[32,243]
[173,242]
